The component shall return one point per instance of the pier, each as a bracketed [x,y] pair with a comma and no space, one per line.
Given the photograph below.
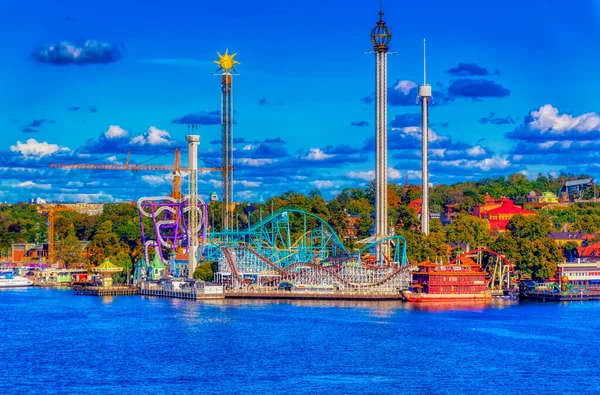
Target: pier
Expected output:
[120,290]
[181,294]
[308,295]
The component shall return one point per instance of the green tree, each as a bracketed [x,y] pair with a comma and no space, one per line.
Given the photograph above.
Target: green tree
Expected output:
[469,229]
[532,227]
[205,271]
[68,251]
[105,244]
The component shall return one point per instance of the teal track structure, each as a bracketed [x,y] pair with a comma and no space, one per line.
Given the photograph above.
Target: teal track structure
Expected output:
[296,247]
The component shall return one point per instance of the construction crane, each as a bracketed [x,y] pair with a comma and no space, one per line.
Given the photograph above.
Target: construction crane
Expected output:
[52,210]
[176,168]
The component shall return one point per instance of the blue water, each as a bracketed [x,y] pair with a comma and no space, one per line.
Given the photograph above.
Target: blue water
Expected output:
[54,342]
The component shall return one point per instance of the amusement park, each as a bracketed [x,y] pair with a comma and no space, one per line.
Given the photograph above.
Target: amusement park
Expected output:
[294,253]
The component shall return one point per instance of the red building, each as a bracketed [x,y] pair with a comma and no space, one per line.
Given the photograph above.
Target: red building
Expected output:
[498,212]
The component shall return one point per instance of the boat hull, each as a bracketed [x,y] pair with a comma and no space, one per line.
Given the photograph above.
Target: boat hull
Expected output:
[426,298]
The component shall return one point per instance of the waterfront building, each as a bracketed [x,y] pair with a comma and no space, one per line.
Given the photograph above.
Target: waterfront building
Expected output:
[582,272]
[157,269]
[29,253]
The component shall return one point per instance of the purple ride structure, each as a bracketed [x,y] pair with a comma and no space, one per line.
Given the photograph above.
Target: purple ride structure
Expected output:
[169,222]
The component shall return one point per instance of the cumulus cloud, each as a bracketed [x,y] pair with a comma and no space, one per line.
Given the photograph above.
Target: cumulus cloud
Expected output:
[547,124]
[81,53]
[493,120]
[115,131]
[153,136]
[316,154]
[322,184]
[118,140]
[34,149]
[476,88]
[468,70]
[200,118]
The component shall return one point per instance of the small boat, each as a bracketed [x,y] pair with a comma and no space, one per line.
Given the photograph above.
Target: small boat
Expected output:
[8,280]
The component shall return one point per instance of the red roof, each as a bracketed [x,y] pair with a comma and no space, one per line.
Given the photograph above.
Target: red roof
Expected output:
[589,251]
[508,207]
[417,204]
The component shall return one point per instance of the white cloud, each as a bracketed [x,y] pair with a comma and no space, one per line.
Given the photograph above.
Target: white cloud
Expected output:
[115,132]
[547,119]
[369,175]
[256,162]
[405,86]
[476,151]
[31,184]
[496,163]
[361,175]
[436,153]
[248,184]
[75,184]
[393,174]
[99,197]
[153,136]
[157,180]
[323,184]
[34,149]
[415,131]
[316,154]
[249,147]
[245,195]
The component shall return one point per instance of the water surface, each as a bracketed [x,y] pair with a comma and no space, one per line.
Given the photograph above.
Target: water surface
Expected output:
[54,342]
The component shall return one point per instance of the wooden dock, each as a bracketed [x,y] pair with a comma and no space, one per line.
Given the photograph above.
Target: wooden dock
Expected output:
[307,295]
[181,294]
[90,290]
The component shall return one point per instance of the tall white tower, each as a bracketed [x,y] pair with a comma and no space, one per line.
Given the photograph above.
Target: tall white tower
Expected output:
[424,98]
[381,37]
[193,141]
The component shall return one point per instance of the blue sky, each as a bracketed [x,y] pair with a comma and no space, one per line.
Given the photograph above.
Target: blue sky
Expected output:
[514,86]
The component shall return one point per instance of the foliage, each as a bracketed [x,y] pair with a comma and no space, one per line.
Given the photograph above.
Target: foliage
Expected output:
[471,230]
[205,271]
[69,251]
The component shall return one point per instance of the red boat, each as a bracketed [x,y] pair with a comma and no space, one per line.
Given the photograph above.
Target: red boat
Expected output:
[444,283]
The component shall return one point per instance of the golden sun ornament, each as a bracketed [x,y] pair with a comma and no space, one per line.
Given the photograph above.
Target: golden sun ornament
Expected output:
[226,61]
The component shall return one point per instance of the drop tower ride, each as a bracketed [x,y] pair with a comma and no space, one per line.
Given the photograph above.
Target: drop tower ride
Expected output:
[381,37]
[227,64]
[424,98]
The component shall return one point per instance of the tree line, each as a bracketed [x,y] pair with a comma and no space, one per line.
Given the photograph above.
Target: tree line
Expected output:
[115,234]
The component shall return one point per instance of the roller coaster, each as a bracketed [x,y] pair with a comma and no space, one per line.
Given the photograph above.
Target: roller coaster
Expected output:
[293,248]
